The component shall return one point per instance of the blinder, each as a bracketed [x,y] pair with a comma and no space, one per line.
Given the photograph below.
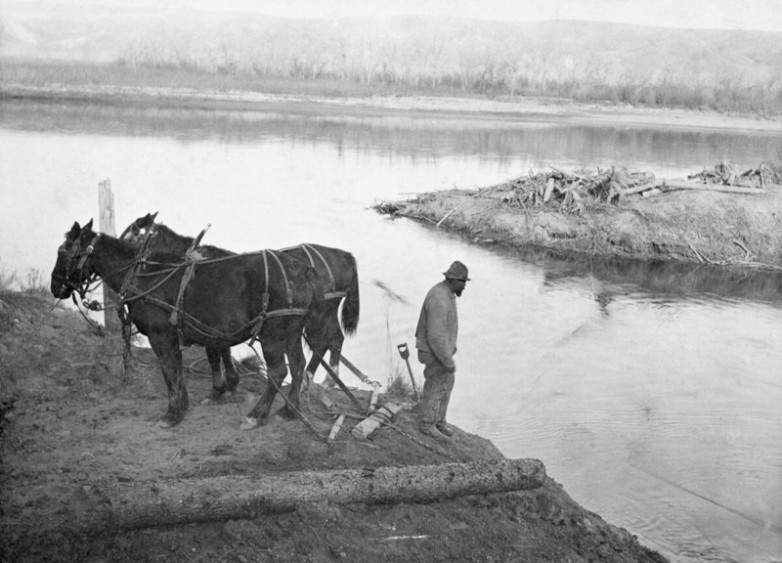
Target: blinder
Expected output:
[82,284]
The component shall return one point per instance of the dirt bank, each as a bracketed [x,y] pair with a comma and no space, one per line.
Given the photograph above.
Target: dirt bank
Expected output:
[73,436]
[504,108]
[725,216]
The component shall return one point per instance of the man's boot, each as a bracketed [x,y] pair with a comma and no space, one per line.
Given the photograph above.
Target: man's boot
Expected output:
[444,429]
[432,431]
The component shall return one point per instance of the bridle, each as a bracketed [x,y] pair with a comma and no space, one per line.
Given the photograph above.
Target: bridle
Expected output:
[83,285]
[134,232]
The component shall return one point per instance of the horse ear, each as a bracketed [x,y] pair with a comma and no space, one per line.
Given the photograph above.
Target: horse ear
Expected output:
[154,215]
[88,226]
[75,230]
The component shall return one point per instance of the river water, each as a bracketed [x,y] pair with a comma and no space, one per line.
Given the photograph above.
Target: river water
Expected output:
[652,394]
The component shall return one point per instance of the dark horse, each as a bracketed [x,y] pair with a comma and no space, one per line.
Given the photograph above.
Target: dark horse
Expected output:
[336,267]
[215,303]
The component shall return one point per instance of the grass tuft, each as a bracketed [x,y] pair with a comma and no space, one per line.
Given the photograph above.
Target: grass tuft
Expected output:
[7,281]
[398,386]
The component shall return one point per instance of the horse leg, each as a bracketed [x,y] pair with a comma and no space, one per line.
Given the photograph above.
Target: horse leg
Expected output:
[166,348]
[274,355]
[296,360]
[335,353]
[231,375]
[312,367]
[333,343]
[218,379]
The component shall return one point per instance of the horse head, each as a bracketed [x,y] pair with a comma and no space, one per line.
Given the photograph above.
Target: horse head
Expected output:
[72,270]
[138,229]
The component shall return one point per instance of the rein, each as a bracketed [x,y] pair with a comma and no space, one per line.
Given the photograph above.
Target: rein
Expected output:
[179,316]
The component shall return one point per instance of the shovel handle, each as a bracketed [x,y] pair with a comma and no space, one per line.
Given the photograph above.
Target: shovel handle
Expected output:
[403,351]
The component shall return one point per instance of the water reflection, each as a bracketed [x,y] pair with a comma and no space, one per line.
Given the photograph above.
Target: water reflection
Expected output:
[410,134]
[672,279]
[662,281]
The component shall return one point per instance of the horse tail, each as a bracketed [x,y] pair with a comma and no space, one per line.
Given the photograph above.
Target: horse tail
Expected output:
[350,307]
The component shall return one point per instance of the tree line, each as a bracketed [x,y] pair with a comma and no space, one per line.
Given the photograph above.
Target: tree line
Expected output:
[579,61]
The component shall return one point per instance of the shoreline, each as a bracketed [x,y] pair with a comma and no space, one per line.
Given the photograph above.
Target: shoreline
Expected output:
[63,465]
[518,109]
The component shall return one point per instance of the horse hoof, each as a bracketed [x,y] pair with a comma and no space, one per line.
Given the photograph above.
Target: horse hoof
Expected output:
[287,414]
[168,421]
[249,423]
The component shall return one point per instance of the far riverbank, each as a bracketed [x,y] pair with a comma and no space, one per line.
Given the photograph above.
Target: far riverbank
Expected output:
[503,107]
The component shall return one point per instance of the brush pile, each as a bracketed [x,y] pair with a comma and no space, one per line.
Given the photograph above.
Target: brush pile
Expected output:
[569,192]
[727,174]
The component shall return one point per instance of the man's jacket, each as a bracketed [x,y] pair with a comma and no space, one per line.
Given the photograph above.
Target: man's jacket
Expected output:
[438,325]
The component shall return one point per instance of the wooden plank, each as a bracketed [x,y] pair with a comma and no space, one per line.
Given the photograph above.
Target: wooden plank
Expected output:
[338,381]
[357,372]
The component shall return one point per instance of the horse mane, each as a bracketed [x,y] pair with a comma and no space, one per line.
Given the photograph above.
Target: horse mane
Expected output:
[176,243]
[172,240]
[118,246]
[128,250]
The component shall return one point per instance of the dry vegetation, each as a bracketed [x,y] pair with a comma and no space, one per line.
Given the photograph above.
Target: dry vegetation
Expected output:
[736,71]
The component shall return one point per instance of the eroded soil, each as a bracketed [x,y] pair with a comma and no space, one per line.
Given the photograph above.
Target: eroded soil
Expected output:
[72,432]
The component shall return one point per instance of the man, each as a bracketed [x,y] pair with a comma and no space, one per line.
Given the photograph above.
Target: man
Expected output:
[435,338]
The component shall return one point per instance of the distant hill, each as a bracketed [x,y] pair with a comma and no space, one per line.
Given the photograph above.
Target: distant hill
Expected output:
[473,55]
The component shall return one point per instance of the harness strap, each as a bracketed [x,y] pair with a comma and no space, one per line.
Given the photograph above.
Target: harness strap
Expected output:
[264,314]
[140,259]
[191,257]
[88,251]
[288,293]
[179,316]
[174,318]
[308,249]
[207,330]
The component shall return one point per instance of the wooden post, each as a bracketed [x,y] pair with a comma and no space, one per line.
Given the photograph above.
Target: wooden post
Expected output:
[117,353]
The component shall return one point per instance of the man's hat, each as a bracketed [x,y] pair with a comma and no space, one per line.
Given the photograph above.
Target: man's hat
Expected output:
[457,271]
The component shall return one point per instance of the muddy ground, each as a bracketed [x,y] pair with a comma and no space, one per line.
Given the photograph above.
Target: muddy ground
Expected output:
[73,434]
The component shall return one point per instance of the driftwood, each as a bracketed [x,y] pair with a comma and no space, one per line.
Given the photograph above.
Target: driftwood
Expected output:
[454,210]
[765,175]
[165,503]
[682,185]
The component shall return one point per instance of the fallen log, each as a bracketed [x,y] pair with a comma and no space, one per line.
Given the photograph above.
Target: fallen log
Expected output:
[682,185]
[638,189]
[90,511]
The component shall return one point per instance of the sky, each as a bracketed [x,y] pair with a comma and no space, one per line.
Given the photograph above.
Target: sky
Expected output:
[763,15]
